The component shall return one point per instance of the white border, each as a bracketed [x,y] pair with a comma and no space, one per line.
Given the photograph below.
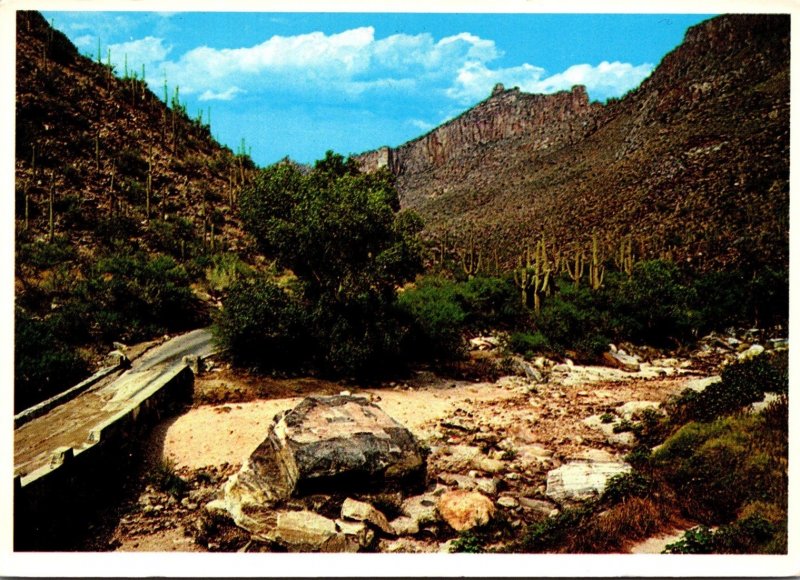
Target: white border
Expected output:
[359,565]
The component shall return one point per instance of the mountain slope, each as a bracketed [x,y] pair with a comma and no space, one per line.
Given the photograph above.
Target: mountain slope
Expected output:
[112,152]
[693,163]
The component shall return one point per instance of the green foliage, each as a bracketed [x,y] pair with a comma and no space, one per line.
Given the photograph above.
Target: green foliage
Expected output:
[698,540]
[468,542]
[722,465]
[743,383]
[263,325]
[164,478]
[607,418]
[753,534]
[43,254]
[626,485]
[576,318]
[528,344]
[225,270]
[341,233]
[135,296]
[438,319]
[43,364]
[548,534]
[654,306]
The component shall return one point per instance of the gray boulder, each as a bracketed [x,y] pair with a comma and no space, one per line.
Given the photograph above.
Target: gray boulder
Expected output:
[325,443]
[582,480]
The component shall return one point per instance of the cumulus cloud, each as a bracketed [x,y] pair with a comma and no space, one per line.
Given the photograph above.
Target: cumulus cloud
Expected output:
[475,80]
[354,64]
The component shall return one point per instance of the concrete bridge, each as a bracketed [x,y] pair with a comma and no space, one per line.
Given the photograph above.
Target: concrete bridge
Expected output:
[64,448]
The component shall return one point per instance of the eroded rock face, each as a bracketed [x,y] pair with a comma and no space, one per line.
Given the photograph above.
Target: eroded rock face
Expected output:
[323,443]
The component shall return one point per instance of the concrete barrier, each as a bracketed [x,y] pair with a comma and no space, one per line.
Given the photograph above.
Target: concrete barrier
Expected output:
[41,408]
[52,500]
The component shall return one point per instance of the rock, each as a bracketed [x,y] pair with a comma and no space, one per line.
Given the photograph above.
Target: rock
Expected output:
[537,506]
[421,508]
[634,408]
[364,512]
[356,532]
[464,510]
[701,385]
[523,368]
[759,406]
[305,531]
[404,526]
[596,455]
[751,352]
[324,441]
[484,343]
[581,480]
[623,361]
[508,502]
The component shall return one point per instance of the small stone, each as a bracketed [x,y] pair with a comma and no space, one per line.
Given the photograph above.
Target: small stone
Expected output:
[464,510]
[404,526]
[364,512]
[508,502]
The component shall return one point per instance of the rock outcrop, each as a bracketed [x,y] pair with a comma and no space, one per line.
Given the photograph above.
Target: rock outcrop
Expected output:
[695,161]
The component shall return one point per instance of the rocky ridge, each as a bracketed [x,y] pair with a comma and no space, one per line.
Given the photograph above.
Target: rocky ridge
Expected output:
[693,163]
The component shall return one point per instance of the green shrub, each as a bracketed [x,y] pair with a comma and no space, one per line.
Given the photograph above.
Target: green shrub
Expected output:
[743,383]
[654,306]
[468,542]
[42,255]
[225,270]
[136,296]
[753,534]
[43,364]
[576,319]
[698,540]
[722,465]
[625,485]
[527,344]
[437,319]
[262,325]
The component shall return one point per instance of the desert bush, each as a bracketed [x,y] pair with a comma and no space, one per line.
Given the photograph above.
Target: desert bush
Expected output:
[438,319]
[136,296]
[263,326]
[576,319]
[43,364]
[654,306]
[743,383]
[722,465]
[225,270]
[528,344]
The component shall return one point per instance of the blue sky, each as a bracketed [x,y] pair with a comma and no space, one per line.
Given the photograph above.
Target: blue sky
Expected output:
[298,84]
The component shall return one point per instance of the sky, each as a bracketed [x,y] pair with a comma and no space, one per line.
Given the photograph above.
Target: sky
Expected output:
[299,84]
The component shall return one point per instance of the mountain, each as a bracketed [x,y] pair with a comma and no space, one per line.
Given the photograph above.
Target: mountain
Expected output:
[694,163]
[117,159]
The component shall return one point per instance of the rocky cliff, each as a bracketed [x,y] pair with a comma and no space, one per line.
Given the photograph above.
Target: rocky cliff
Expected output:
[693,163]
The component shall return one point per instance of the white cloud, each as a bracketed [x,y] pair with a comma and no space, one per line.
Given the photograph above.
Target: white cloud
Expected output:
[354,64]
[475,80]
[226,95]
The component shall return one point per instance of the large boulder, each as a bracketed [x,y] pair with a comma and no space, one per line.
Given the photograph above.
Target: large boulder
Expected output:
[323,444]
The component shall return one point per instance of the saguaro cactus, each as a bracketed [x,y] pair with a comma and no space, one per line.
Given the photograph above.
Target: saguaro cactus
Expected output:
[577,268]
[597,270]
[623,258]
[533,276]
[471,258]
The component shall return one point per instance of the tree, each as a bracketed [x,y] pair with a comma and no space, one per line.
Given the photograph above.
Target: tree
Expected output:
[344,237]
